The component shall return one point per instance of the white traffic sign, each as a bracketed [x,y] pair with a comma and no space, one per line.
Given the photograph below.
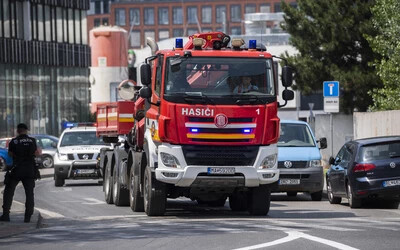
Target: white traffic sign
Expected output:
[331,104]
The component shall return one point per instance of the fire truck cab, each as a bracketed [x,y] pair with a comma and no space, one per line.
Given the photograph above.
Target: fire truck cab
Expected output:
[204,126]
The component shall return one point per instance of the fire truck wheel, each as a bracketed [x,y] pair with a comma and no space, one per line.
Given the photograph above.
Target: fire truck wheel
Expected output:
[259,200]
[135,199]
[238,201]
[155,198]
[120,194]
[58,181]
[107,186]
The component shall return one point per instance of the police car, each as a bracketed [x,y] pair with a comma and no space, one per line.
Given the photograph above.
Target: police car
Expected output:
[77,153]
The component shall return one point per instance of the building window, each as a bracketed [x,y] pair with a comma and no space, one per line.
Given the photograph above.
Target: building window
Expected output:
[47,25]
[205,30]
[78,37]
[220,13]
[106,6]
[53,19]
[34,22]
[206,14]
[149,16]
[71,28]
[250,8]
[135,39]
[192,31]
[236,13]
[84,27]
[293,5]
[163,34]
[65,24]
[236,31]
[277,7]
[163,16]
[177,15]
[97,7]
[104,21]
[60,30]
[40,18]
[134,16]
[265,8]
[177,32]
[120,16]
[149,33]
[192,15]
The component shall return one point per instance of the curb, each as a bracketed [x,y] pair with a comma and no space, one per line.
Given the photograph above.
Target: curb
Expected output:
[42,177]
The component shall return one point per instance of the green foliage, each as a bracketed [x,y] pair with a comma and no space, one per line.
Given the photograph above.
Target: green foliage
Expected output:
[329,36]
[386,20]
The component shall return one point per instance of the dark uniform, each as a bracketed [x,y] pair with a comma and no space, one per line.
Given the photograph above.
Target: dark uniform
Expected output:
[23,149]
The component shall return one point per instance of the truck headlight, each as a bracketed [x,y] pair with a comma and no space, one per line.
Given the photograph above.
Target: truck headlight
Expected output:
[314,163]
[169,160]
[268,162]
[63,157]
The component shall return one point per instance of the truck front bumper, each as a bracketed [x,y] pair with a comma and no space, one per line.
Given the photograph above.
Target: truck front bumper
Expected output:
[197,176]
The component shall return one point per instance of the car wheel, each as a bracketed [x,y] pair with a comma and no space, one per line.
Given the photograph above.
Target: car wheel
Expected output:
[353,202]
[291,194]
[238,201]
[120,194]
[393,204]
[217,203]
[316,196]
[135,199]
[47,161]
[107,186]
[155,198]
[259,200]
[332,199]
[58,181]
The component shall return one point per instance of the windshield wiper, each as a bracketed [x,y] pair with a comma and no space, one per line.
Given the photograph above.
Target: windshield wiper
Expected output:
[193,97]
[248,99]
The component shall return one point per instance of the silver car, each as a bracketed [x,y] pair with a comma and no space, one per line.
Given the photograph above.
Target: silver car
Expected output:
[48,144]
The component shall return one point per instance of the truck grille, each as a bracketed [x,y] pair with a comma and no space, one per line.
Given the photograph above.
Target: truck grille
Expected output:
[295,164]
[220,155]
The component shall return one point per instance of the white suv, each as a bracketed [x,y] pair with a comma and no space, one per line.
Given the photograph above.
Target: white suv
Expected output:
[77,153]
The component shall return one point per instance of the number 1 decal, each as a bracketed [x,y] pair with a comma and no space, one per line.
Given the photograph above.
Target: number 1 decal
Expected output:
[258,111]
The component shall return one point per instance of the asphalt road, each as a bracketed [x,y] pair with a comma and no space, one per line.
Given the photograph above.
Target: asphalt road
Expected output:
[76,216]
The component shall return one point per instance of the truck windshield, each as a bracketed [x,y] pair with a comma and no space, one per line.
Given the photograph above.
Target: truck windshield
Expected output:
[295,135]
[221,77]
[81,138]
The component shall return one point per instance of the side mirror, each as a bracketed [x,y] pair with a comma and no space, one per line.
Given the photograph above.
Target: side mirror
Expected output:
[331,160]
[287,76]
[145,92]
[323,143]
[145,74]
[287,95]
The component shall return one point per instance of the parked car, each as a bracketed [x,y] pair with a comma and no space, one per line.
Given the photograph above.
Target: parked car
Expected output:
[48,144]
[4,142]
[5,159]
[299,160]
[365,169]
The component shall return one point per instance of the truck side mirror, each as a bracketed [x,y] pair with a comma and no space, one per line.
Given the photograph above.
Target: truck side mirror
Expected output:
[287,76]
[331,161]
[145,74]
[145,92]
[287,95]
[323,143]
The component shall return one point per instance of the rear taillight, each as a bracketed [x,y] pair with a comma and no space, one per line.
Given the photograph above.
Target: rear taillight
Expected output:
[365,167]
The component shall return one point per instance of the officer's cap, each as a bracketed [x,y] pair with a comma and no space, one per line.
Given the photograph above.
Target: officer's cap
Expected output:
[22,126]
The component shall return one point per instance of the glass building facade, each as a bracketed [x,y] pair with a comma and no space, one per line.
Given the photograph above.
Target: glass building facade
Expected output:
[44,64]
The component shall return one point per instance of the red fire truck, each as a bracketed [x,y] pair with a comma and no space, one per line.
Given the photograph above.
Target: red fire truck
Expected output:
[203,126]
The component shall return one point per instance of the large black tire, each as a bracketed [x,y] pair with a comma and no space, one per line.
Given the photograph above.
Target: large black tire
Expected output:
[291,194]
[217,203]
[332,199]
[58,181]
[238,201]
[353,202]
[155,198]
[120,194]
[316,196]
[107,183]
[259,200]
[135,199]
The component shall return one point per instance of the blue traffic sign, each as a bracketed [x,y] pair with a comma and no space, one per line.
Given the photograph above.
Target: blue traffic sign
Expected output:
[331,89]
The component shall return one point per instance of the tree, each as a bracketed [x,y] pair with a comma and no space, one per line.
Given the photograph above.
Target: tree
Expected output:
[386,20]
[329,35]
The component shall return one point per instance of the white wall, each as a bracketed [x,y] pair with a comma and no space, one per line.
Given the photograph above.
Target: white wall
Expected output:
[371,124]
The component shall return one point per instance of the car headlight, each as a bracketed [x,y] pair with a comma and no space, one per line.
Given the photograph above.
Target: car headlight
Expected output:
[63,157]
[169,160]
[268,162]
[315,163]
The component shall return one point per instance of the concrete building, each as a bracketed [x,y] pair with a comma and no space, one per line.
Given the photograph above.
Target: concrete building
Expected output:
[44,60]
[162,19]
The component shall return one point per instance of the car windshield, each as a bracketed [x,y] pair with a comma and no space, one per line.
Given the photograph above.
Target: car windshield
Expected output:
[379,152]
[81,138]
[295,135]
[219,76]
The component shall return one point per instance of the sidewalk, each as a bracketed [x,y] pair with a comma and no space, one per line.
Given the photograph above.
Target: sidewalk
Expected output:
[17,225]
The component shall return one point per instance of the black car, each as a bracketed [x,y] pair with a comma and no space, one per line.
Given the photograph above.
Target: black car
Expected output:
[365,169]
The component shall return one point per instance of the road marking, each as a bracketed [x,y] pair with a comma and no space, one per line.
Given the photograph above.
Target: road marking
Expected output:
[327,242]
[45,211]
[93,201]
[291,236]
[111,217]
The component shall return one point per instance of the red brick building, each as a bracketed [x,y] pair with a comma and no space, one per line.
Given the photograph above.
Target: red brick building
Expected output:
[164,19]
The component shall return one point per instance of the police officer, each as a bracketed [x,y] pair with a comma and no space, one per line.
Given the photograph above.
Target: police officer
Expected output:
[23,150]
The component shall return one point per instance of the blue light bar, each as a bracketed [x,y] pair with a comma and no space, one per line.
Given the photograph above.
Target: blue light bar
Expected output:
[194,130]
[246,130]
[179,43]
[252,44]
